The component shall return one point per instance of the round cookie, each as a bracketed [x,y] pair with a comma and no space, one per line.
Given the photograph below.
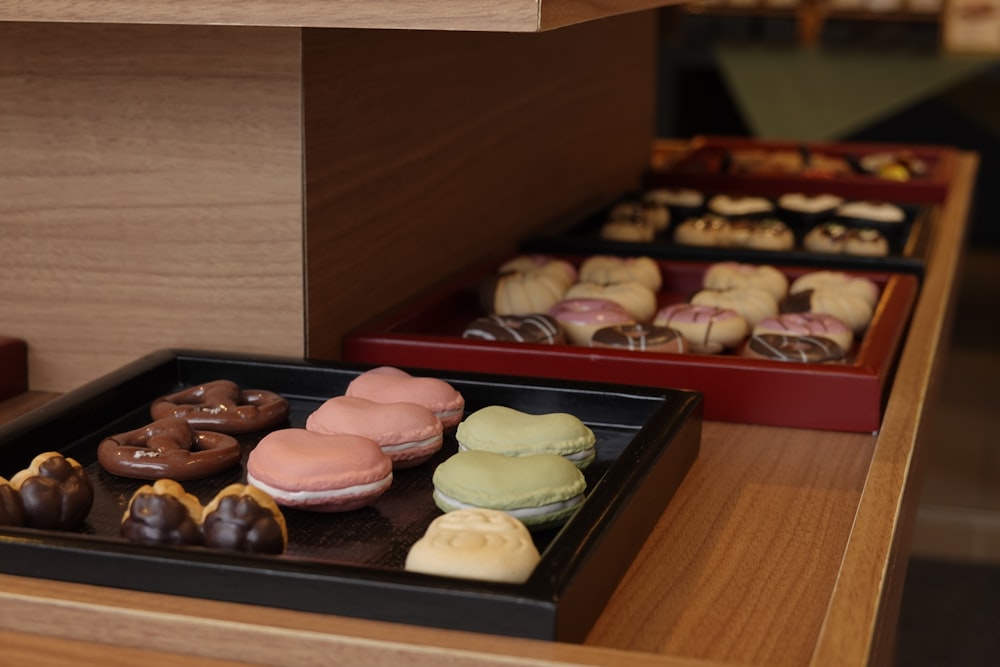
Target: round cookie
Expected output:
[767,234]
[317,472]
[503,430]
[580,318]
[708,329]
[537,329]
[408,433]
[640,337]
[540,490]
[387,384]
[801,349]
[808,324]
[476,543]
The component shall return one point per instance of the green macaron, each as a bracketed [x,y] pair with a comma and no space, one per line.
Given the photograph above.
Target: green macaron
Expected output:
[502,430]
[540,490]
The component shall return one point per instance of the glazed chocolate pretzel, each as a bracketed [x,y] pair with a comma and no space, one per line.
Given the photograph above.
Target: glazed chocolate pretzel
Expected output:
[168,448]
[223,407]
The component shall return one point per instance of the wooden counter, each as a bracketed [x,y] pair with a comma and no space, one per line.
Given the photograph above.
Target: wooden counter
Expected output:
[782,547]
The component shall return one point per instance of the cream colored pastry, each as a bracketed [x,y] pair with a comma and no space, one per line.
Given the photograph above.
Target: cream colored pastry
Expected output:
[883,212]
[609,269]
[528,292]
[798,202]
[866,242]
[475,544]
[753,303]
[851,309]
[769,234]
[732,275]
[734,206]
[861,287]
[702,231]
[552,266]
[633,296]
[640,230]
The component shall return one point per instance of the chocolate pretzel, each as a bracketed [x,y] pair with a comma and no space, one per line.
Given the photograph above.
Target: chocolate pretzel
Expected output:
[223,407]
[169,448]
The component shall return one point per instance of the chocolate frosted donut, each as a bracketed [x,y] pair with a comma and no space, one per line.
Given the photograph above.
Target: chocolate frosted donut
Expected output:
[223,407]
[643,337]
[540,329]
[803,349]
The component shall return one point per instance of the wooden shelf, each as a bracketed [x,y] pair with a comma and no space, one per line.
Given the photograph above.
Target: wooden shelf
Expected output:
[466,15]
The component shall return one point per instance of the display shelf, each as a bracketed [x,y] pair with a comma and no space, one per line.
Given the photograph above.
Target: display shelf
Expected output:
[474,15]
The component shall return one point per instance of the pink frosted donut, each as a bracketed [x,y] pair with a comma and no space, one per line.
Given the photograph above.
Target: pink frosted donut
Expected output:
[708,329]
[582,317]
[808,324]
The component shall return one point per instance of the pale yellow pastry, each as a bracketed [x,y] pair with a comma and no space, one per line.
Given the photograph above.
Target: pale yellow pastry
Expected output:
[733,275]
[609,269]
[475,543]
[753,303]
[633,296]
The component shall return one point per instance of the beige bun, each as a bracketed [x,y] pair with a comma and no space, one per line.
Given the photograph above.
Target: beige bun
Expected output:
[734,275]
[861,287]
[608,269]
[529,292]
[752,303]
[479,543]
[636,298]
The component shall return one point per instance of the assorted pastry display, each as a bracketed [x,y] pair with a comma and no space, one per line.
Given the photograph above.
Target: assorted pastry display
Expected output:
[513,472]
[618,302]
[822,223]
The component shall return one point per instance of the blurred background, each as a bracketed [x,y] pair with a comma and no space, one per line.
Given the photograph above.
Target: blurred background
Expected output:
[909,71]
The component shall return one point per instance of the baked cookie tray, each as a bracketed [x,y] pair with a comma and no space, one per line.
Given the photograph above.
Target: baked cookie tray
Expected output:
[581,233]
[706,163]
[846,396]
[351,563]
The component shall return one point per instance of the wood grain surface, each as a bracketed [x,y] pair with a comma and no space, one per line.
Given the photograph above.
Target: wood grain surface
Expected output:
[466,15]
[439,148]
[150,193]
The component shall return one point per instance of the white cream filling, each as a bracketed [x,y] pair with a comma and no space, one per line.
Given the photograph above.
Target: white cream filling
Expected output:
[517,513]
[572,456]
[410,445]
[357,489]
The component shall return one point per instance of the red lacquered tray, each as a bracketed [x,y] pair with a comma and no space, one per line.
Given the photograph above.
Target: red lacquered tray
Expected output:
[707,163]
[426,333]
[13,367]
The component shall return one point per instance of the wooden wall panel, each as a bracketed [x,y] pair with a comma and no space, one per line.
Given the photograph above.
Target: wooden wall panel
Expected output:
[150,193]
[436,149]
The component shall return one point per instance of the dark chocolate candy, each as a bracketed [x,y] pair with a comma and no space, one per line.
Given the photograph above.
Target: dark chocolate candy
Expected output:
[239,523]
[159,518]
[58,497]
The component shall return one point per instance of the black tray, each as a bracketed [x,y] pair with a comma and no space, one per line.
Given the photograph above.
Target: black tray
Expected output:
[580,233]
[352,563]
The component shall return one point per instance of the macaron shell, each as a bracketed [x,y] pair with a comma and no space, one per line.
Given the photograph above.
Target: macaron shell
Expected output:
[385,423]
[503,430]
[295,459]
[502,482]
[386,384]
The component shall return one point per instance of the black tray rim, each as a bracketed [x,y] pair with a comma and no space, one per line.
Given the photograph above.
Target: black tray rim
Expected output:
[529,610]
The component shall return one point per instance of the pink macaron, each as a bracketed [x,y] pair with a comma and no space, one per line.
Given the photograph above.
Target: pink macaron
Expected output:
[583,316]
[386,384]
[319,472]
[408,433]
